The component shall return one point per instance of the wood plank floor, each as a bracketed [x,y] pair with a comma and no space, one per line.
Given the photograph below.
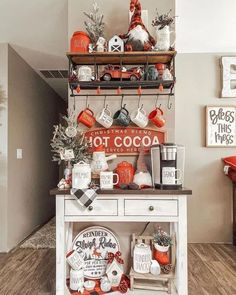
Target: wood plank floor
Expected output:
[212,271]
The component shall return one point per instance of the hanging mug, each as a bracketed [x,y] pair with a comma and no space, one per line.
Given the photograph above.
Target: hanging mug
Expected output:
[104,118]
[156,117]
[86,117]
[122,117]
[139,117]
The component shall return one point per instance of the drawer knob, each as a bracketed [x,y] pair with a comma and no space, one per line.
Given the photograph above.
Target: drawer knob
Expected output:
[151,208]
[90,208]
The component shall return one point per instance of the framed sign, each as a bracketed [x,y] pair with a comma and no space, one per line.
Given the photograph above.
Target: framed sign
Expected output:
[125,141]
[93,244]
[220,126]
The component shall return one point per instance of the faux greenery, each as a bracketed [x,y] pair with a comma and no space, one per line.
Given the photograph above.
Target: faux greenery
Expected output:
[162,238]
[94,25]
[163,20]
[60,142]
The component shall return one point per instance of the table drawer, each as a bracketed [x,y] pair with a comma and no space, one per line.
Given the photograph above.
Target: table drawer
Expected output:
[108,207]
[144,207]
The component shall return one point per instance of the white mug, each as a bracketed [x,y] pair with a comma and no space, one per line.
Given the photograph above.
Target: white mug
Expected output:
[76,279]
[106,179]
[139,117]
[75,260]
[104,118]
[168,175]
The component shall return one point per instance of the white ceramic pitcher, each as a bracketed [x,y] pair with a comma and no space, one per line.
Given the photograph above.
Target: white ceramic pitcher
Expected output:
[163,38]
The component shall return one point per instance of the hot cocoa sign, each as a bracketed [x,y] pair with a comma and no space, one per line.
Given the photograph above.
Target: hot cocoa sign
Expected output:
[120,140]
[93,244]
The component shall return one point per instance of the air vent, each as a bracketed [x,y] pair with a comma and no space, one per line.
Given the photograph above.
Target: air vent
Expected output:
[54,74]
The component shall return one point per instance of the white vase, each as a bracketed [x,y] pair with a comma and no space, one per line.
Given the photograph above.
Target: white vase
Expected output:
[163,39]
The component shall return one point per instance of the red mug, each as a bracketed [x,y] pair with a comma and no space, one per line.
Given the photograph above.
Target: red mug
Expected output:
[156,116]
[87,118]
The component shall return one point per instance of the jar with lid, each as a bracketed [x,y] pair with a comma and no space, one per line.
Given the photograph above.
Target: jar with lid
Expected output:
[142,258]
[125,170]
[81,175]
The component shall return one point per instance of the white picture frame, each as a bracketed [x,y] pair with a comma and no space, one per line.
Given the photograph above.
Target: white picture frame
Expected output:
[221,126]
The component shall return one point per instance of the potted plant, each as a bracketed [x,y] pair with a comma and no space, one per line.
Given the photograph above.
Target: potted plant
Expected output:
[162,24]
[162,242]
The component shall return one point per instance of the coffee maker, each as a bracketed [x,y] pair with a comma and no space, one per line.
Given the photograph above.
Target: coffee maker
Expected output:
[167,165]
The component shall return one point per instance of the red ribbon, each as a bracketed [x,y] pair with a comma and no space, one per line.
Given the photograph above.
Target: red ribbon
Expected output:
[117,256]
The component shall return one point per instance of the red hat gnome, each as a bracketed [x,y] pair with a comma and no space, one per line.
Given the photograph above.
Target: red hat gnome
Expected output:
[142,176]
[138,38]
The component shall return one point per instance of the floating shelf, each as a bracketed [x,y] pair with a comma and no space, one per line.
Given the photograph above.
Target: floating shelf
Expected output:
[127,58]
[124,84]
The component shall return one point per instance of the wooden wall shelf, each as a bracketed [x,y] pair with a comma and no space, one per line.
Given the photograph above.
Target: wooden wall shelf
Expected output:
[127,58]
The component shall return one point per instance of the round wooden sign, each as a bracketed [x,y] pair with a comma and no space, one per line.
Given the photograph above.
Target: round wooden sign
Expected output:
[93,244]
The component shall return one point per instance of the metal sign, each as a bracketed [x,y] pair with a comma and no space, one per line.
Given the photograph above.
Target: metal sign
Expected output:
[93,244]
[125,141]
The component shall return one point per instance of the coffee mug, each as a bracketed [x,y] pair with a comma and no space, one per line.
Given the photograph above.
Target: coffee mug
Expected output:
[86,117]
[139,117]
[168,175]
[122,117]
[104,118]
[156,116]
[106,179]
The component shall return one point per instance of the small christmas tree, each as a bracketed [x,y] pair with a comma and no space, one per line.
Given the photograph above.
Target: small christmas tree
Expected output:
[61,142]
[95,25]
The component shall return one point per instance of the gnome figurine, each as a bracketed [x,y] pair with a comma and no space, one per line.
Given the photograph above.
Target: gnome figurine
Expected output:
[138,38]
[142,176]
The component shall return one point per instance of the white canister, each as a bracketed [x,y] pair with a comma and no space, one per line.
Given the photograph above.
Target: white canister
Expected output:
[76,279]
[142,258]
[81,175]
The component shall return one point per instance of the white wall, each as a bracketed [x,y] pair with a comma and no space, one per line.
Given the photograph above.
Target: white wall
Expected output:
[206,26]
[37,30]
[210,206]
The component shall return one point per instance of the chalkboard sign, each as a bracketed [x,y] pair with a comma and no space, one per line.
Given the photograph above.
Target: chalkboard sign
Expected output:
[220,126]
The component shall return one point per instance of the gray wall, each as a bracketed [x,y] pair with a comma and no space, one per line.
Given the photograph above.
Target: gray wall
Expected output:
[209,209]
[3,145]
[33,108]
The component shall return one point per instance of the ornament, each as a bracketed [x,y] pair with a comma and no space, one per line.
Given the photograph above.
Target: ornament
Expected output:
[105,284]
[116,44]
[71,131]
[155,268]
[89,285]
[166,269]
[123,287]
[115,269]
[101,44]
[63,184]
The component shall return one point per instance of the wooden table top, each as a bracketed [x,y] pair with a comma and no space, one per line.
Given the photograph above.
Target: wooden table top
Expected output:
[183,191]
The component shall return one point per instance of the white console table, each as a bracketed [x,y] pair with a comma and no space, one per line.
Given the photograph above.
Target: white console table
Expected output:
[124,206]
